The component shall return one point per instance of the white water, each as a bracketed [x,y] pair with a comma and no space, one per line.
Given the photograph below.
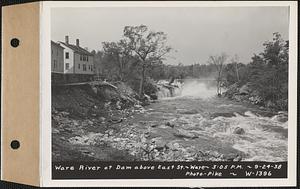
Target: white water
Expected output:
[260,142]
[197,89]
[189,88]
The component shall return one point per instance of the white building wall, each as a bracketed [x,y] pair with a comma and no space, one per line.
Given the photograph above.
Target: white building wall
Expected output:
[79,64]
[69,61]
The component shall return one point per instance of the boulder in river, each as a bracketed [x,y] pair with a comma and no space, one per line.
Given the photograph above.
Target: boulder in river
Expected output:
[239,131]
[192,111]
[185,134]
[280,118]
[169,124]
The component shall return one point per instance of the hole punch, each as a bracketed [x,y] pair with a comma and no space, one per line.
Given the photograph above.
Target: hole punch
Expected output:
[15,42]
[15,144]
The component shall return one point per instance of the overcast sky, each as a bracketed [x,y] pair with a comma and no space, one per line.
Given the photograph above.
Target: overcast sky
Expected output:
[195,33]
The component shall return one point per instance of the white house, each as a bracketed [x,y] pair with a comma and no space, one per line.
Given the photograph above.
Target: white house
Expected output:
[77,60]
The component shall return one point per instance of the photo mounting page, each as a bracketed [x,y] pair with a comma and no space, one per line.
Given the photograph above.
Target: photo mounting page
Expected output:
[169,93]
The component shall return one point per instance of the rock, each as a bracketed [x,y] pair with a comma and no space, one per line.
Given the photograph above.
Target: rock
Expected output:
[176,145]
[238,97]
[222,114]
[118,105]
[244,90]
[193,111]
[160,144]
[90,122]
[230,157]
[80,140]
[147,97]
[270,104]
[173,146]
[280,118]
[55,131]
[238,158]
[154,125]
[214,154]
[170,124]
[255,99]
[109,132]
[68,130]
[231,90]
[65,113]
[75,123]
[138,106]
[184,134]
[153,96]
[116,120]
[283,113]
[239,131]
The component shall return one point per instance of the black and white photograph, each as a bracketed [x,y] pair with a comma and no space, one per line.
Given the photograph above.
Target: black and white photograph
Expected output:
[170,84]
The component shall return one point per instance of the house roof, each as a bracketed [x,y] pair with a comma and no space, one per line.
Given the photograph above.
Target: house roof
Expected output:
[77,49]
[57,44]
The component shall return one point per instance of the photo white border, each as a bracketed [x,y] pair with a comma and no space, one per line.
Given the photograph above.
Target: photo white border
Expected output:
[45,84]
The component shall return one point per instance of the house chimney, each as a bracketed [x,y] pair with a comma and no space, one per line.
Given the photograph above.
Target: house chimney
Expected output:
[67,39]
[77,42]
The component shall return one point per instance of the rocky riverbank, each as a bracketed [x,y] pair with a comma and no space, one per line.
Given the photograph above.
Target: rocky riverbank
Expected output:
[88,118]
[247,94]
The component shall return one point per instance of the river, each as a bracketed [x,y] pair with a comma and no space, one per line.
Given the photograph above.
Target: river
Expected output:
[190,123]
[197,120]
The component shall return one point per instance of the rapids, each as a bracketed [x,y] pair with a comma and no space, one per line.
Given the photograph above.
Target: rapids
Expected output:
[196,109]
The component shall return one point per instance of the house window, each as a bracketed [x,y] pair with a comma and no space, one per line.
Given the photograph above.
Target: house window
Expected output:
[51,51]
[67,55]
[87,58]
[81,57]
[67,66]
[84,67]
[78,66]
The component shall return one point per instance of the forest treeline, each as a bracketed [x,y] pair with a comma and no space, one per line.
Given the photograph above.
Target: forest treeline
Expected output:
[138,60]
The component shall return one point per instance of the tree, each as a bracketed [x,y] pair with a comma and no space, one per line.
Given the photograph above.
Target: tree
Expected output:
[218,61]
[269,72]
[276,57]
[235,61]
[148,46]
[120,53]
